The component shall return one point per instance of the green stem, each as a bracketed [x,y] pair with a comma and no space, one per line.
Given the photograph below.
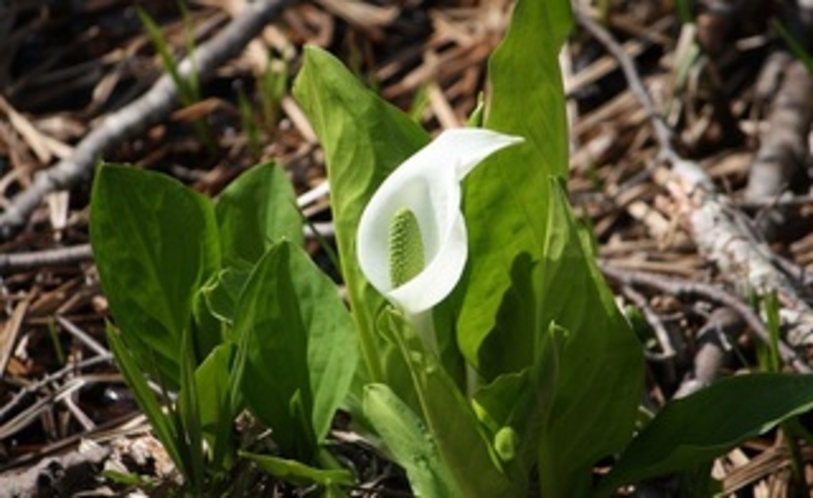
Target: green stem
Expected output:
[424,326]
[789,430]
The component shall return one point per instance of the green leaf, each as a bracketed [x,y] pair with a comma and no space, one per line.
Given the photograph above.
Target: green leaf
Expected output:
[223,290]
[297,350]
[505,199]
[298,473]
[460,438]
[255,211]
[186,88]
[700,427]
[155,243]
[520,403]
[189,416]
[364,139]
[332,347]
[796,46]
[208,330]
[412,445]
[601,364]
[162,425]
[215,404]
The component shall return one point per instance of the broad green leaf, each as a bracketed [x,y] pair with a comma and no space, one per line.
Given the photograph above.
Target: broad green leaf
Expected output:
[162,425]
[297,350]
[364,139]
[461,440]
[600,371]
[332,344]
[410,442]
[255,211]
[216,410]
[272,362]
[155,243]
[298,473]
[700,427]
[505,198]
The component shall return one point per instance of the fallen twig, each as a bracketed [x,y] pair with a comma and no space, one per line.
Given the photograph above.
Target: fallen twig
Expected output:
[48,257]
[661,334]
[680,287]
[139,115]
[35,387]
[714,349]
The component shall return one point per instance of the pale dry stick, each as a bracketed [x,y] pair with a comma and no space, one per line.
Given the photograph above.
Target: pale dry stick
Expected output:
[82,336]
[9,331]
[366,16]
[38,385]
[124,426]
[47,257]
[313,195]
[62,395]
[776,201]
[78,414]
[33,412]
[714,348]
[605,65]
[663,133]
[680,287]
[43,146]
[640,301]
[721,233]
[148,110]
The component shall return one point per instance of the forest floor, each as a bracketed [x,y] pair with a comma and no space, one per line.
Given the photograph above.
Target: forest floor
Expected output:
[659,103]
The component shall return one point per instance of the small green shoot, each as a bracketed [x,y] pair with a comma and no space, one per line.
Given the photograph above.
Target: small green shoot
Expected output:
[273,86]
[419,104]
[770,304]
[794,45]
[54,336]
[249,125]
[684,10]
[188,85]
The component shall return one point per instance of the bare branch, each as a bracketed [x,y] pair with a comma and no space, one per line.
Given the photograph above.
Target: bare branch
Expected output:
[680,287]
[50,257]
[783,149]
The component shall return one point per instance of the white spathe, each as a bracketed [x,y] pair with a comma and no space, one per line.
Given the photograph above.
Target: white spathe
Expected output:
[428,184]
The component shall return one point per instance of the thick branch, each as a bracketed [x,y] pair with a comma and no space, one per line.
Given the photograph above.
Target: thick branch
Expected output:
[783,150]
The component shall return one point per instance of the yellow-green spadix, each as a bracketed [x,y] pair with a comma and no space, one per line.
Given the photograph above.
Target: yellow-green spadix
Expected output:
[411,239]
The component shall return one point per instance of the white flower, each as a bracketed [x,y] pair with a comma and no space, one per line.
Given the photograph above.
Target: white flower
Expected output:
[420,201]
